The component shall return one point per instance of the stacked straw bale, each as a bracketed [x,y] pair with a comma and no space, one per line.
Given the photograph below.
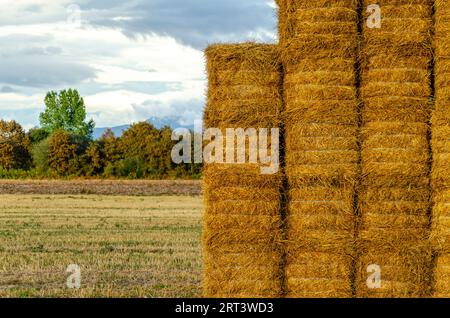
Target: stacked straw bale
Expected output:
[395,190]
[441,152]
[319,45]
[242,218]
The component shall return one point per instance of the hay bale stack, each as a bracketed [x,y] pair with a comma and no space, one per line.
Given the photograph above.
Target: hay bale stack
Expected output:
[441,152]
[319,40]
[395,192]
[242,218]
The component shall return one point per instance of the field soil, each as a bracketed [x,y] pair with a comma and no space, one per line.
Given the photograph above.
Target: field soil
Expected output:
[102,187]
[125,246]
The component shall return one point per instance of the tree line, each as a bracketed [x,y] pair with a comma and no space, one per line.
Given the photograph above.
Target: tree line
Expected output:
[63,146]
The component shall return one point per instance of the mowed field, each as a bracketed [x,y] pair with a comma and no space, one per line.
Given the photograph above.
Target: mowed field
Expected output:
[125,246]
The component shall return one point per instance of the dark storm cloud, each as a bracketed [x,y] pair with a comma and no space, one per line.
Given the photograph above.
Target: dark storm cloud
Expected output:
[6,89]
[42,72]
[29,61]
[193,22]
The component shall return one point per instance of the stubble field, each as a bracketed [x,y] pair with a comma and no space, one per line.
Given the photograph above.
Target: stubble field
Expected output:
[125,246]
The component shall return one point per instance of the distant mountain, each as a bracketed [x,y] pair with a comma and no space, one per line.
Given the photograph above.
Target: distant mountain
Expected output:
[171,121]
[118,130]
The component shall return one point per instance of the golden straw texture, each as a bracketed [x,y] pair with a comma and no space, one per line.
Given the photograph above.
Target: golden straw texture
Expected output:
[395,191]
[319,46]
[441,152]
[242,215]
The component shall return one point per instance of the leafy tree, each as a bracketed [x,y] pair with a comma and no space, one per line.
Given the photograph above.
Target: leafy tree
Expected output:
[133,168]
[63,154]
[40,153]
[93,160]
[159,152]
[135,140]
[109,146]
[14,146]
[66,111]
[142,151]
[36,135]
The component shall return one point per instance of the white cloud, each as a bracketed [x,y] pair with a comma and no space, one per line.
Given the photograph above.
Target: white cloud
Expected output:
[116,59]
[117,19]
[120,49]
[19,12]
[20,102]
[121,106]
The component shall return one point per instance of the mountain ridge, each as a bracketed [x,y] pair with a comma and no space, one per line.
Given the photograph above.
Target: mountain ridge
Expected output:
[159,122]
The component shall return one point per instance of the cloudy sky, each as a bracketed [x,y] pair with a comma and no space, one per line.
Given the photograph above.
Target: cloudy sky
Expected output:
[131,60]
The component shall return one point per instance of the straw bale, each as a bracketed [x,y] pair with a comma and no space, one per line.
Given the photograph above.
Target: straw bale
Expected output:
[440,237]
[318,17]
[318,273]
[442,276]
[319,52]
[441,221]
[404,273]
[394,197]
[242,218]
[396,108]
